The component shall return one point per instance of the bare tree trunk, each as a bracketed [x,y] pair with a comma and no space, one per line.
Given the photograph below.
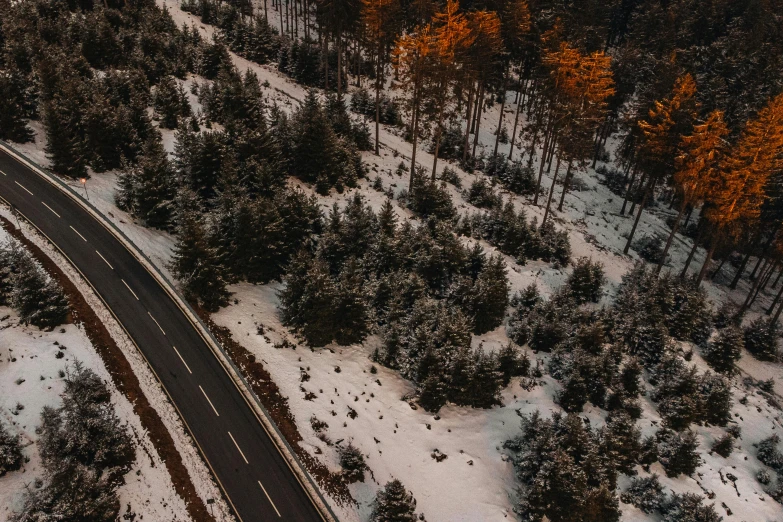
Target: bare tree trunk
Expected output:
[566,182]
[776,301]
[415,136]
[675,227]
[480,108]
[639,189]
[551,191]
[467,124]
[650,185]
[544,153]
[339,64]
[378,74]
[689,258]
[753,290]
[438,134]
[707,261]
[740,270]
[516,122]
[500,119]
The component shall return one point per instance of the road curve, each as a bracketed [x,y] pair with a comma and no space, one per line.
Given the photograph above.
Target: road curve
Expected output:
[249,467]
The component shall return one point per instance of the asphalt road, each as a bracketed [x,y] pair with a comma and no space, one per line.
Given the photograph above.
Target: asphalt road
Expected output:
[248,465]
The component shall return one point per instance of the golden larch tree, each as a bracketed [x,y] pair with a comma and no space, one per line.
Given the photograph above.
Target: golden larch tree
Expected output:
[699,155]
[737,191]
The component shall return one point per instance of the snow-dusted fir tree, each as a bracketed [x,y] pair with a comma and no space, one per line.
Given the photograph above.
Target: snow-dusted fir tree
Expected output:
[352,462]
[10,451]
[36,297]
[761,338]
[394,503]
[725,350]
[170,102]
[148,189]
[13,126]
[196,265]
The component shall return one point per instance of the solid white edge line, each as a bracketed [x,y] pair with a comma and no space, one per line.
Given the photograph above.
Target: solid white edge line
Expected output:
[209,401]
[50,208]
[183,360]
[104,260]
[26,189]
[238,448]
[156,322]
[269,499]
[77,232]
[130,289]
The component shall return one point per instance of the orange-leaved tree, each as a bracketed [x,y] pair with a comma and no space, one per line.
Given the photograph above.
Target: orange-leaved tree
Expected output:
[381,23]
[697,163]
[412,58]
[452,39]
[736,194]
[666,123]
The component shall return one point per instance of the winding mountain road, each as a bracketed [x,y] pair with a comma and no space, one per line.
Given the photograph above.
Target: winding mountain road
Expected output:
[252,472]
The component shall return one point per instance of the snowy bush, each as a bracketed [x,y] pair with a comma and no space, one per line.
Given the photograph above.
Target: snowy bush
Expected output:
[586,280]
[646,493]
[10,451]
[649,248]
[724,445]
[688,507]
[482,195]
[761,337]
[677,452]
[769,454]
[725,350]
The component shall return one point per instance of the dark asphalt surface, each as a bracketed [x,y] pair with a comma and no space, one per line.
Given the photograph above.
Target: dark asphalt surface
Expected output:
[251,470]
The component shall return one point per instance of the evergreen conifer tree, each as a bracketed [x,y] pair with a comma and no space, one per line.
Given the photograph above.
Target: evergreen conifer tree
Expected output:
[13,126]
[723,352]
[170,102]
[36,297]
[10,451]
[394,504]
[148,189]
[352,462]
[195,263]
[761,337]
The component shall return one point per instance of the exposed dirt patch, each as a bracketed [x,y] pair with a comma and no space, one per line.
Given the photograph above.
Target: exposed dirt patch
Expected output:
[123,378]
[277,406]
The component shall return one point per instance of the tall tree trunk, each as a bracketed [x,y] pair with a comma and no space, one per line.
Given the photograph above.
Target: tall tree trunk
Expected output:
[753,290]
[740,270]
[675,227]
[438,134]
[415,136]
[648,189]
[639,191]
[378,74]
[467,124]
[566,183]
[777,314]
[551,191]
[500,119]
[544,153]
[339,64]
[717,270]
[707,260]
[777,299]
[516,122]
[690,257]
[480,108]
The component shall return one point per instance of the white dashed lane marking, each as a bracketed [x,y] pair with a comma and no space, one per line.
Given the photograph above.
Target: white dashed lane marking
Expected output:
[25,188]
[130,289]
[104,260]
[269,499]
[77,233]
[183,360]
[209,401]
[156,322]
[238,448]
[50,208]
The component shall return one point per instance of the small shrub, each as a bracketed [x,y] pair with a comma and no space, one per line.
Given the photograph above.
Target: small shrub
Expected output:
[586,280]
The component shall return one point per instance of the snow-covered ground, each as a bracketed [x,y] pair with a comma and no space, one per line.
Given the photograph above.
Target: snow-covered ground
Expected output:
[32,366]
[476,481]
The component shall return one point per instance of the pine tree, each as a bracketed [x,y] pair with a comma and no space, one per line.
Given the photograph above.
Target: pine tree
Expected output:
[646,493]
[85,429]
[677,452]
[36,297]
[701,153]
[170,102]
[148,189]
[723,352]
[13,126]
[349,307]
[195,263]
[489,298]
[74,493]
[586,280]
[352,462]
[10,451]
[687,507]
[486,381]
[394,504]
[737,192]
[760,338]
[433,393]
[667,121]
